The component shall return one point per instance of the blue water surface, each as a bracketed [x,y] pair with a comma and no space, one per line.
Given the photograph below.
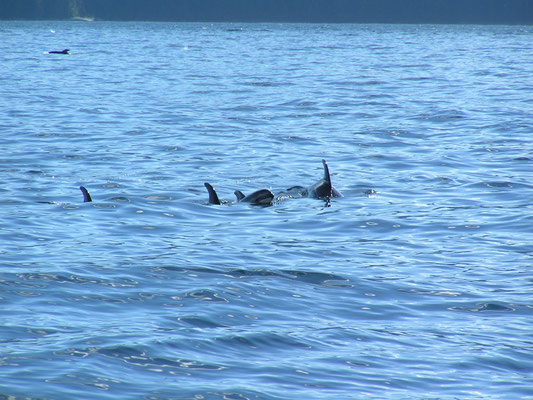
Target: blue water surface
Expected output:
[416,284]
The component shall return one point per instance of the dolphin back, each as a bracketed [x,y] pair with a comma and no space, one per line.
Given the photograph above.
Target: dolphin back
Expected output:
[65,51]
[259,197]
[263,196]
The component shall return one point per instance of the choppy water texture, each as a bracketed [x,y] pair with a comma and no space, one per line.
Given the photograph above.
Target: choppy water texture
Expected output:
[415,285]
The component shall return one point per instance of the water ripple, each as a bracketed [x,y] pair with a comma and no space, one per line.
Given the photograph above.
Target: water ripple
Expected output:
[415,284]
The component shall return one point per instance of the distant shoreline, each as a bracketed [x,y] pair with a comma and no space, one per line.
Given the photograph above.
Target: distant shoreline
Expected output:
[476,12]
[270,22]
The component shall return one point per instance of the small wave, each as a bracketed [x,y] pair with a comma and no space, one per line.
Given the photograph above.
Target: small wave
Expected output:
[489,307]
[206,295]
[265,341]
[140,358]
[201,322]
[499,185]
[442,115]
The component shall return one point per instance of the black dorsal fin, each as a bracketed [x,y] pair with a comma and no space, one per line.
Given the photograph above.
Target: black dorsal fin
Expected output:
[240,195]
[213,198]
[86,196]
[327,178]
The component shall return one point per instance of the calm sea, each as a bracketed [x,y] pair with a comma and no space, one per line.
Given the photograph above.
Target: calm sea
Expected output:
[417,284]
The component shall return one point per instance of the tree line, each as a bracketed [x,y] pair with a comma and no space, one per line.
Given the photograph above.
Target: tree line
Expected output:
[385,11]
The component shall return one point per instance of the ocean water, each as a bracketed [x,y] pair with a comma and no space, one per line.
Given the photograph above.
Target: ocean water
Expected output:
[416,284]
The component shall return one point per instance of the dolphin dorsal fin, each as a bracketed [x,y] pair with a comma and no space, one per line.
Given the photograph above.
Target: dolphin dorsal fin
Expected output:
[327,178]
[213,198]
[240,195]
[86,195]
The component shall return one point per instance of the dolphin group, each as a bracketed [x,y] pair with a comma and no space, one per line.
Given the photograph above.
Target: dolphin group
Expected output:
[323,189]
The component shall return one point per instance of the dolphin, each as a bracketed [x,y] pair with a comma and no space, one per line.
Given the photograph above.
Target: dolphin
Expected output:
[66,51]
[86,196]
[259,197]
[323,189]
